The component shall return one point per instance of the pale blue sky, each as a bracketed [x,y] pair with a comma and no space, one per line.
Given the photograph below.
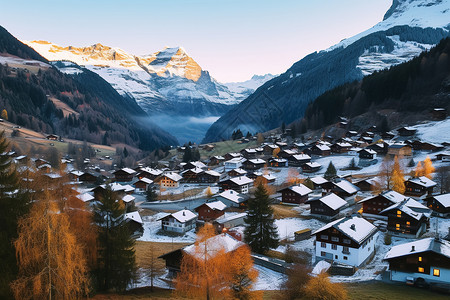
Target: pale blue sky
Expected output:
[233,39]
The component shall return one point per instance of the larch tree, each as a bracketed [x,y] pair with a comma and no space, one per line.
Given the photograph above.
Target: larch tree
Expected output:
[209,193]
[398,178]
[243,275]
[428,168]
[419,171]
[14,203]
[4,115]
[116,267]
[385,175]
[152,267]
[261,234]
[51,262]
[275,152]
[297,278]
[320,288]
[293,177]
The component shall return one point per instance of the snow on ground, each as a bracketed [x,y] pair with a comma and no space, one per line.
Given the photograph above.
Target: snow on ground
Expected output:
[151,228]
[268,279]
[287,227]
[433,132]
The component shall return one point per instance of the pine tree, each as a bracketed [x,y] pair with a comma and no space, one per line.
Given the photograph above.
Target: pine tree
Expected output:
[116,258]
[261,233]
[13,206]
[51,262]
[187,156]
[283,127]
[330,173]
[151,195]
[260,138]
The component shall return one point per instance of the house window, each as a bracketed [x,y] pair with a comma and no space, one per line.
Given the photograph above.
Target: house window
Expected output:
[323,245]
[345,250]
[345,257]
[436,272]
[420,258]
[336,257]
[335,239]
[346,241]
[323,254]
[399,213]
[324,237]
[334,247]
[408,223]
[397,226]
[421,270]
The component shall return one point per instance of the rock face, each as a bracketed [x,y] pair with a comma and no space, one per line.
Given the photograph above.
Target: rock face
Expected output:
[168,81]
[409,27]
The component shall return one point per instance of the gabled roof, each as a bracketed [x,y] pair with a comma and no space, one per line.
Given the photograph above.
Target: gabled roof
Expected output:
[212,173]
[299,189]
[354,227]
[135,216]
[269,176]
[152,171]
[434,245]
[213,245]
[181,216]
[443,199]
[126,170]
[239,171]
[173,176]
[241,180]
[257,161]
[322,147]
[76,173]
[347,186]
[392,196]
[423,181]
[196,170]
[313,164]
[370,151]
[128,198]
[86,197]
[318,180]
[145,180]
[333,201]
[404,208]
[301,156]
[231,195]
[216,205]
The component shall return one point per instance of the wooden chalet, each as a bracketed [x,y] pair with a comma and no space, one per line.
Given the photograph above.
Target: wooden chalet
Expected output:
[311,167]
[210,211]
[427,258]
[169,180]
[297,160]
[75,175]
[318,181]
[342,147]
[180,221]
[191,175]
[278,162]
[319,149]
[208,176]
[90,177]
[366,184]
[440,204]
[39,162]
[224,224]
[142,185]
[249,153]
[439,113]
[444,156]
[231,198]
[135,224]
[387,135]
[399,150]
[344,189]
[372,206]
[406,131]
[327,207]
[349,240]
[367,154]
[419,186]
[269,148]
[407,217]
[240,184]
[115,187]
[237,172]
[232,155]
[296,194]
[216,160]
[124,175]
[149,173]
[379,148]
[193,164]
[287,153]
[234,163]
[254,164]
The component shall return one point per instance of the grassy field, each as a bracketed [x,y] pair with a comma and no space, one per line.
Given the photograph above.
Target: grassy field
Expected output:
[281,211]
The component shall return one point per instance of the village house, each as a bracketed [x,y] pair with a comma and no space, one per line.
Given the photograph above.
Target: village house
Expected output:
[444,156]
[216,160]
[372,206]
[208,176]
[234,163]
[210,211]
[254,164]
[240,184]
[295,194]
[115,187]
[248,153]
[232,155]
[367,154]
[90,177]
[419,186]
[319,149]
[191,175]
[86,198]
[180,221]
[440,204]
[366,184]
[297,160]
[124,175]
[129,201]
[341,147]
[278,162]
[142,185]
[281,145]
[426,146]
[439,113]
[231,198]
[224,224]
[427,258]
[318,181]
[311,167]
[237,172]
[344,189]
[349,240]
[351,133]
[169,180]
[406,131]
[149,173]
[266,178]
[287,153]
[269,148]
[327,207]
[379,148]
[39,162]
[74,175]
[193,165]
[135,224]
[399,150]
[408,217]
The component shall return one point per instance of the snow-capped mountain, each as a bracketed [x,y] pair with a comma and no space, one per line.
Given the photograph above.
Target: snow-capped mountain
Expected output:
[408,28]
[166,81]
[242,90]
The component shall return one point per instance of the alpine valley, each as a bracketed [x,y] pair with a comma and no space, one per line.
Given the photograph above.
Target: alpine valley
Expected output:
[169,85]
[408,28]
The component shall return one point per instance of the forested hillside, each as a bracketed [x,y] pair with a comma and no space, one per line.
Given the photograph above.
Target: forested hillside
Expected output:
[416,86]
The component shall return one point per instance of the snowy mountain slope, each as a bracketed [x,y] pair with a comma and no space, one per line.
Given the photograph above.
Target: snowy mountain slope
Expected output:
[246,88]
[168,81]
[408,28]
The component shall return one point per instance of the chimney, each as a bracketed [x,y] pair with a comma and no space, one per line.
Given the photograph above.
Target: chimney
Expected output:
[413,248]
[353,227]
[184,213]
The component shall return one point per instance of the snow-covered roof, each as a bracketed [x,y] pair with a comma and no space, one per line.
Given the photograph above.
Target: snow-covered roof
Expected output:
[213,245]
[135,216]
[300,189]
[198,164]
[323,147]
[269,176]
[128,198]
[424,245]
[216,205]
[392,196]
[251,150]
[182,216]
[212,173]
[290,151]
[240,171]
[128,188]
[195,170]
[127,170]
[86,197]
[333,201]
[77,173]
[344,145]
[443,199]
[173,176]
[313,164]
[257,161]
[370,151]
[404,208]
[347,186]
[280,160]
[152,171]
[232,196]
[301,156]
[241,180]
[356,228]
[146,180]
[219,157]
[115,187]
[53,175]
[423,181]
[224,220]
[318,180]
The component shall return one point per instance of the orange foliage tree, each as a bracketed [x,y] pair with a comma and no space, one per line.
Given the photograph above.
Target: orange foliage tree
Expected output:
[391,176]
[51,262]
[428,167]
[320,288]
[419,170]
[398,179]
[293,177]
[276,151]
[209,272]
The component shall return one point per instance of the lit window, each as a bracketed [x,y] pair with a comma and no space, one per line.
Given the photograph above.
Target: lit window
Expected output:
[408,223]
[436,272]
[421,270]
[397,226]
[399,213]
[420,258]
